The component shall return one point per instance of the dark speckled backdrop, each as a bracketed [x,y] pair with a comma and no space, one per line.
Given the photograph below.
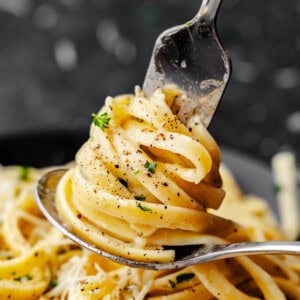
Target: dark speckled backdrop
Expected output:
[60,58]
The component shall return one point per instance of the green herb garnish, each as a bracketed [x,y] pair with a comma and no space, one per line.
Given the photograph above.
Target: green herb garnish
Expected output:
[101,120]
[188,23]
[142,207]
[136,172]
[140,198]
[276,188]
[53,283]
[24,173]
[180,278]
[184,277]
[151,166]
[23,278]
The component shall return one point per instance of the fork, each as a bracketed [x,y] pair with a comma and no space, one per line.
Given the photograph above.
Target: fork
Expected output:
[191,57]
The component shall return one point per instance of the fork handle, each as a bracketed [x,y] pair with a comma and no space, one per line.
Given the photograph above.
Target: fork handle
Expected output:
[208,11]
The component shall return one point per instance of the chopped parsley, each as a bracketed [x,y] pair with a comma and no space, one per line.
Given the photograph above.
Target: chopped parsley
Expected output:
[23,278]
[140,198]
[136,172]
[181,278]
[184,277]
[101,120]
[188,23]
[151,166]
[142,207]
[53,283]
[24,173]
[276,188]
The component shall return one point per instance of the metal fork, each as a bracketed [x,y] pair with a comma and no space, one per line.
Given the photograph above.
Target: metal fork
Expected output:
[191,57]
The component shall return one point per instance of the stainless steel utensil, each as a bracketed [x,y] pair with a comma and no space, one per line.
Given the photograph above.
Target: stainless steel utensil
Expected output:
[45,193]
[192,57]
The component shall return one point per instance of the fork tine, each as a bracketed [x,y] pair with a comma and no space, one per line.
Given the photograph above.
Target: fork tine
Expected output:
[191,57]
[208,11]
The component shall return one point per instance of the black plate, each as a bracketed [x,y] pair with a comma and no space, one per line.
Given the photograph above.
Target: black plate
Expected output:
[54,148]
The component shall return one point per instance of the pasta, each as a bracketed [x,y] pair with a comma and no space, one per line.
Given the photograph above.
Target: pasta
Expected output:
[37,262]
[145,181]
[284,170]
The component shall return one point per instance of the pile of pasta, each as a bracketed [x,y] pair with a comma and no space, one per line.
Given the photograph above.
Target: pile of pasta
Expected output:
[143,181]
[37,262]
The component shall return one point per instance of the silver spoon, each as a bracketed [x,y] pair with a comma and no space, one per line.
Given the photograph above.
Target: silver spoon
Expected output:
[185,256]
[191,57]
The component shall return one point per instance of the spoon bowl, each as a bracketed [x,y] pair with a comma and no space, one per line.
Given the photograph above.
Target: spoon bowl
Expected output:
[185,256]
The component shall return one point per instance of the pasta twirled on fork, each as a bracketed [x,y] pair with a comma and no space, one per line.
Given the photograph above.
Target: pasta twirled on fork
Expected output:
[144,180]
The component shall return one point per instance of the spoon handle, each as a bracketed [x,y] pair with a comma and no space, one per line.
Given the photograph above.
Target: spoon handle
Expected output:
[207,11]
[255,248]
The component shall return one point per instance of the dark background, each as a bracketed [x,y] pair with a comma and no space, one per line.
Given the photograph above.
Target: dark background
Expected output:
[59,59]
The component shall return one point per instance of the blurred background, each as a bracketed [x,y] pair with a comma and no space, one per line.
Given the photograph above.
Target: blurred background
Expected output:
[59,59]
